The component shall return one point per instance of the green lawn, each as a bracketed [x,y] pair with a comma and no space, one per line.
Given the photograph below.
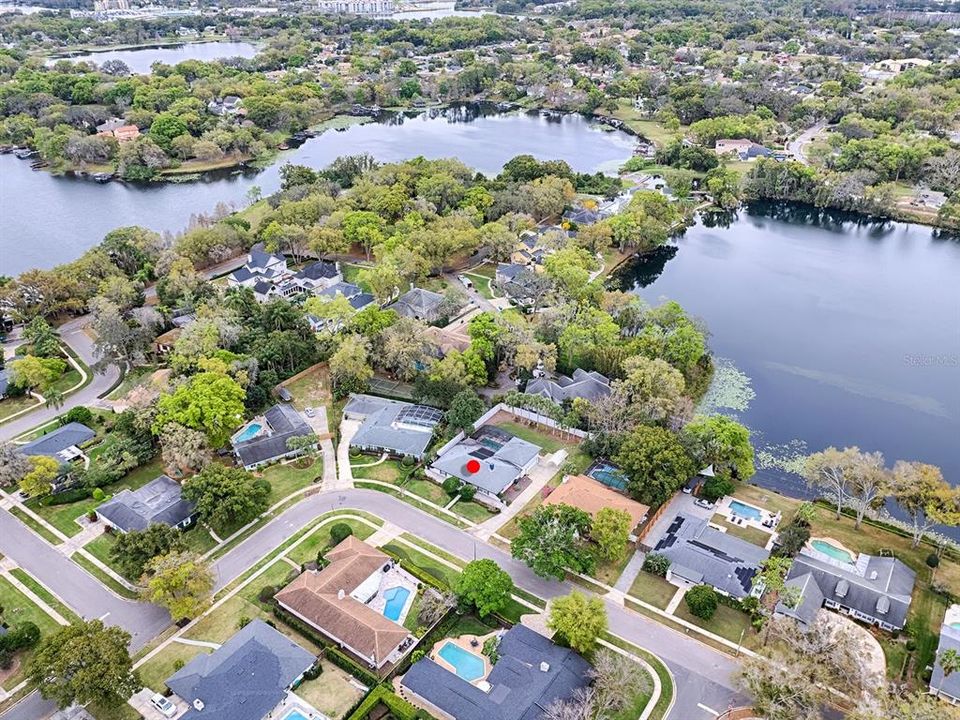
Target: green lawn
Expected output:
[164,664]
[482,284]
[44,594]
[63,383]
[18,608]
[64,517]
[13,405]
[446,575]
[331,693]
[100,548]
[100,575]
[750,534]
[548,443]
[428,490]
[34,525]
[652,589]
[473,511]
[320,540]
[388,471]
[727,623]
[198,539]
[351,274]
[113,712]
[287,479]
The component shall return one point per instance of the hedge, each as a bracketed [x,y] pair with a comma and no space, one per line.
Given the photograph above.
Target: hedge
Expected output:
[330,651]
[399,708]
[66,497]
[420,574]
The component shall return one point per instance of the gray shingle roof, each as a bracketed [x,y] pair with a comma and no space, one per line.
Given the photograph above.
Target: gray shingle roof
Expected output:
[348,290]
[260,258]
[159,501]
[949,640]
[520,689]
[359,302]
[510,271]
[384,428]
[868,582]
[245,678]
[721,560]
[60,439]
[418,303]
[809,600]
[283,422]
[583,384]
[4,381]
[318,270]
[499,468]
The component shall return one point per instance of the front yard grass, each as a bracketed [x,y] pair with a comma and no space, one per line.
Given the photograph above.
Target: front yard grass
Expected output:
[44,594]
[389,471]
[100,548]
[287,479]
[320,540]
[18,608]
[750,534]
[154,672]
[331,693]
[446,575]
[653,589]
[34,525]
[12,405]
[727,623]
[101,576]
[473,511]
[428,490]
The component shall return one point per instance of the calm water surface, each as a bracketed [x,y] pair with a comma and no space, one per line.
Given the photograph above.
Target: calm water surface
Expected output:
[848,331]
[140,59]
[48,220]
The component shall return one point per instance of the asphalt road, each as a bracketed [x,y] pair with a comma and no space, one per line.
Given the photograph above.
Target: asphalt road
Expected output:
[73,335]
[798,145]
[704,677]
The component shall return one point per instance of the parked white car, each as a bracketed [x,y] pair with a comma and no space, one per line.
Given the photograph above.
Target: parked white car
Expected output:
[465,280]
[309,412]
[704,504]
[163,705]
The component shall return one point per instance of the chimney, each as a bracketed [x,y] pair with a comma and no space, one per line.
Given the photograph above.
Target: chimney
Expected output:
[544,666]
[340,594]
[198,704]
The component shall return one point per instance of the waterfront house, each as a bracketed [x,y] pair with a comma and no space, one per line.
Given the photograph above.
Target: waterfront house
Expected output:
[246,678]
[872,589]
[350,599]
[947,687]
[591,496]
[702,554]
[261,267]
[158,502]
[587,385]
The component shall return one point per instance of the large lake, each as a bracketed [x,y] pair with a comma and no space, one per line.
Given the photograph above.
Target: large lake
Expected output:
[848,331]
[140,59]
[48,220]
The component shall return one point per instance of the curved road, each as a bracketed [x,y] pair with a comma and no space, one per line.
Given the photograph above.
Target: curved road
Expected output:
[798,145]
[704,677]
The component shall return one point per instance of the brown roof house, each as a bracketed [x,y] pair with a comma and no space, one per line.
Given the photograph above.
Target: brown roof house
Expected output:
[359,600]
[591,496]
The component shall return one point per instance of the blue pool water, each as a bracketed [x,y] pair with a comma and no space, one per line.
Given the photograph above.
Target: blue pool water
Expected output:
[294,715]
[747,512]
[609,475]
[832,550]
[249,432]
[467,665]
[396,599]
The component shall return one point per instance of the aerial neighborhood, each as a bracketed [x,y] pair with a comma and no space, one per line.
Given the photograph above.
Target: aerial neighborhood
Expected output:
[436,434]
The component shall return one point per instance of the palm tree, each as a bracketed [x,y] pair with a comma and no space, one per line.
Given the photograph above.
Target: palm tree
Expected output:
[949,663]
[54,400]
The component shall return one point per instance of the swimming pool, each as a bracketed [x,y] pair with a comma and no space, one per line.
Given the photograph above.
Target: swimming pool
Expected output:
[747,512]
[295,714]
[249,432]
[609,475]
[467,665]
[396,600]
[832,551]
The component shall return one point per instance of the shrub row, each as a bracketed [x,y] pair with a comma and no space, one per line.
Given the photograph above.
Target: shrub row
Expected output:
[398,707]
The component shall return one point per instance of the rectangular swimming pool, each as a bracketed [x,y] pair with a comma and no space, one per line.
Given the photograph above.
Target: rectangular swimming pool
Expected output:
[747,512]
[249,432]
[467,665]
[295,714]
[609,475]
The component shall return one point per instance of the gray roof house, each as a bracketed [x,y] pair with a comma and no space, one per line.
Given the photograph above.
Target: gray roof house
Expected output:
[503,458]
[246,678]
[947,687]
[62,444]
[4,382]
[530,674]
[391,426]
[876,590]
[587,385]
[264,439]
[700,554]
[807,601]
[159,501]
[419,304]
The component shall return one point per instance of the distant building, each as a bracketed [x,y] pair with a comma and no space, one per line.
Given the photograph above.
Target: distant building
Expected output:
[391,426]
[246,678]
[357,7]
[587,385]
[419,304]
[158,502]
[743,149]
[875,590]
[701,554]
[228,105]
[4,382]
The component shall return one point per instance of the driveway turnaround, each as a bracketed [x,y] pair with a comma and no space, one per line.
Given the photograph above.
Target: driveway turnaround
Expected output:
[704,676]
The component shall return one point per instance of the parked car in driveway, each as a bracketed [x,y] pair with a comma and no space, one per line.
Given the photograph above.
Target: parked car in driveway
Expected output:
[704,504]
[465,280]
[163,705]
[309,412]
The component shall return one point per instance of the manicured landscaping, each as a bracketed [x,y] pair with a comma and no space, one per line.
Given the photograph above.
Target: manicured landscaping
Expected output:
[287,479]
[34,525]
[750,534]
[728,623]
[389,471]
[473,511]
[332,693]
[100,575]
[64,517]
[320,540]
[429,491]
[653,589]
[445,574]
[100,548]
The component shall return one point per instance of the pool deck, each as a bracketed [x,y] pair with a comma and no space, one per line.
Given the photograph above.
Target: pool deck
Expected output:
[826,557]
[395,577]
[464,641]
[772,519]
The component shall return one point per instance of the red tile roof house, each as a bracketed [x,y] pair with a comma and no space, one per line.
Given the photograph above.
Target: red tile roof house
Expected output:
[335,600]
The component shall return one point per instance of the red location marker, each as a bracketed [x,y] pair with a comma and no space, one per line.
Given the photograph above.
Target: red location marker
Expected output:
[473,466]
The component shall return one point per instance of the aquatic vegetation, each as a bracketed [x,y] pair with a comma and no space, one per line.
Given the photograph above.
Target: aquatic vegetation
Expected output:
[787,457]
[730,389]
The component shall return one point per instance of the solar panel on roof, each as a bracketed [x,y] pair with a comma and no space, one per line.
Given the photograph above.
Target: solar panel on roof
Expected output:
[482,452]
